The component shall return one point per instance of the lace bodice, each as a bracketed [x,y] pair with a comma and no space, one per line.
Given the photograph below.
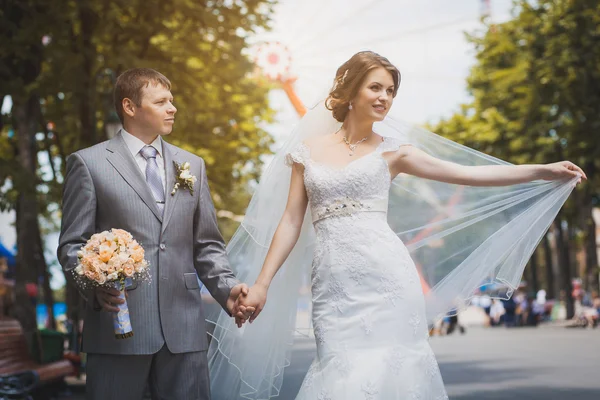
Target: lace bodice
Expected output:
[364,180]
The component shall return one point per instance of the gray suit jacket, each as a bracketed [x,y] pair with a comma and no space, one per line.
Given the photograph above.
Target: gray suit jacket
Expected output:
[104,188]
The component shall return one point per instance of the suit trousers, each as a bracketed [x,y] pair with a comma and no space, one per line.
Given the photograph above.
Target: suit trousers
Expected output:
[182,376]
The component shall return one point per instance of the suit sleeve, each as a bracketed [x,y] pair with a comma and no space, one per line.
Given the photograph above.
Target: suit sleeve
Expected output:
[210,257]
[78,217]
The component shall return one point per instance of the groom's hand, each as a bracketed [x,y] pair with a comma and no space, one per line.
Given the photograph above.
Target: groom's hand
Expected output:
[238,291]
[242,312]
[108,298]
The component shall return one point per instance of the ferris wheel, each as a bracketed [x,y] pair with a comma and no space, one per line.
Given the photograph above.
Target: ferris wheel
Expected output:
[309,39]
[274,60]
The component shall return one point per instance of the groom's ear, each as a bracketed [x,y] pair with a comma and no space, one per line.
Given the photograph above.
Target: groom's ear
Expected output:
[128,107]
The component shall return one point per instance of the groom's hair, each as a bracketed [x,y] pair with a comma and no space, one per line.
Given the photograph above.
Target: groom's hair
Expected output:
[131,83]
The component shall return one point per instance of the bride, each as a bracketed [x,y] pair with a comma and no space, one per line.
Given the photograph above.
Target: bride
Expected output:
[369,313]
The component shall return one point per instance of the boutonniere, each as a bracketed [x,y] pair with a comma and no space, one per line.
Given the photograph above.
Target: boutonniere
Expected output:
[183,177]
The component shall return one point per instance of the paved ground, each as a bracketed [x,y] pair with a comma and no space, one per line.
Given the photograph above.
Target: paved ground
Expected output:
[547,363]
[525,363]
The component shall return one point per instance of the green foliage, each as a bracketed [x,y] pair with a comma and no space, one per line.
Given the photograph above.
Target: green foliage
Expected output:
[536,99]
[198,45]
[536,87]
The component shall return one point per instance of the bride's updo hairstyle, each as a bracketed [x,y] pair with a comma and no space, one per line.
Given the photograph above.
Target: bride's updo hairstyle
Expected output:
[350,76]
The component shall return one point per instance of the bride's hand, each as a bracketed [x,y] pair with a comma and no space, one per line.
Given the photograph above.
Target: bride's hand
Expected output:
[238,292]
[562,170]
[254,302]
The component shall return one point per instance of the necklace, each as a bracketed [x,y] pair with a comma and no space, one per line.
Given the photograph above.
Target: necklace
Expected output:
[353,146]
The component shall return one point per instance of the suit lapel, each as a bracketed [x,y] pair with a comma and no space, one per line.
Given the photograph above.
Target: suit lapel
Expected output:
[121,159]
[170,154]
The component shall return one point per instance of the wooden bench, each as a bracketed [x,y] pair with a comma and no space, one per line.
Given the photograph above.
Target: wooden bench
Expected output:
[15,359]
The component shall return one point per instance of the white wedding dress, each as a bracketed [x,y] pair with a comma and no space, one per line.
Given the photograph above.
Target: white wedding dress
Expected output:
[368,308]
[369,314]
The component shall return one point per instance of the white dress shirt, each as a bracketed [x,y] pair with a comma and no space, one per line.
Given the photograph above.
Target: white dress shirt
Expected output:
[135,145]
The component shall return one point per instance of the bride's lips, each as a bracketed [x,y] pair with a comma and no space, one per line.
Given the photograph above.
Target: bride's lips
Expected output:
[170,120]
[379,108]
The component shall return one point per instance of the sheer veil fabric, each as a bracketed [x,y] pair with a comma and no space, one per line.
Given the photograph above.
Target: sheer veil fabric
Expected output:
[460,237]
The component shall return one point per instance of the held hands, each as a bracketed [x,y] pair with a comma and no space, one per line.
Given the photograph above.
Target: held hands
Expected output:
[562,170]
[237,292]
[250,305]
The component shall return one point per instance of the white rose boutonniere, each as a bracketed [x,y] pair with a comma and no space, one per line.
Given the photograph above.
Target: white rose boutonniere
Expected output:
[183,177]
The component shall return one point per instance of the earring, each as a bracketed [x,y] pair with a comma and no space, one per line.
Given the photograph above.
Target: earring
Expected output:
[350,106]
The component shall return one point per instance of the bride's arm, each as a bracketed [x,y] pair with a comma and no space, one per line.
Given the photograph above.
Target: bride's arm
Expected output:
[286,236]
[410,160]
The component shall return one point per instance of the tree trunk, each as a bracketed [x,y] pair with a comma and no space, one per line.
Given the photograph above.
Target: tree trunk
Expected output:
[533,273]
[88,20]
[562,247]
[47,141]
[75,308]
[83,44]
[571,248]
[26,210]
[591,250]
[550,282]
[44,273]
[61,152]
[49,300]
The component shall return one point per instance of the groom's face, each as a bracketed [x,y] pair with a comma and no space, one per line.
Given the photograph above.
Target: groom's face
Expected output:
[156,113]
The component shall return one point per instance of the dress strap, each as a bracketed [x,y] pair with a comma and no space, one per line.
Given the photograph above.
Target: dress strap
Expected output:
[300,155]
[392,144]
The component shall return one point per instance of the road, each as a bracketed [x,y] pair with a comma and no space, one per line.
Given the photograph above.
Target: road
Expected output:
[546,363]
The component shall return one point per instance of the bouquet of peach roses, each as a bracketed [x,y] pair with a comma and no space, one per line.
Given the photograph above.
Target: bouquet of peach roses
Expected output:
[110,258]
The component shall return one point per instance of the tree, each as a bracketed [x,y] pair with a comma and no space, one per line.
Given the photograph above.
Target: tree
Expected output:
[59,62]
[198,46]
[536,99]
[21,55]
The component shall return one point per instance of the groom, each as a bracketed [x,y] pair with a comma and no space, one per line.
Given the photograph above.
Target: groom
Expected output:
[128,182]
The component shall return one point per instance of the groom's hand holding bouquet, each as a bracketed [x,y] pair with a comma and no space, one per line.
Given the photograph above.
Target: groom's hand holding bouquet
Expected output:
[108,261]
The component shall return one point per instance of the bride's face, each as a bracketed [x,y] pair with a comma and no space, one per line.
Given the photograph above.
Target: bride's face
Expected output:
[375,96]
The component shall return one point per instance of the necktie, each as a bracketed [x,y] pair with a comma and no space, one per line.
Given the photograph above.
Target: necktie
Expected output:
[153,177]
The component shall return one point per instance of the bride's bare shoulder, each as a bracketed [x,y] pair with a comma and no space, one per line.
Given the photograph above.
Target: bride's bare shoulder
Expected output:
[319,141]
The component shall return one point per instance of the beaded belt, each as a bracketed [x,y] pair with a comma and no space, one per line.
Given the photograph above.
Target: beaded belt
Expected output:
[347,207]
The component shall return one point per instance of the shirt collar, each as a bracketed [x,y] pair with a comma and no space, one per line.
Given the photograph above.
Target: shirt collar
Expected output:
[134,144]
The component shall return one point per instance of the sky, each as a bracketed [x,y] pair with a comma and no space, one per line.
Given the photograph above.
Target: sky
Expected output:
[424,39]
